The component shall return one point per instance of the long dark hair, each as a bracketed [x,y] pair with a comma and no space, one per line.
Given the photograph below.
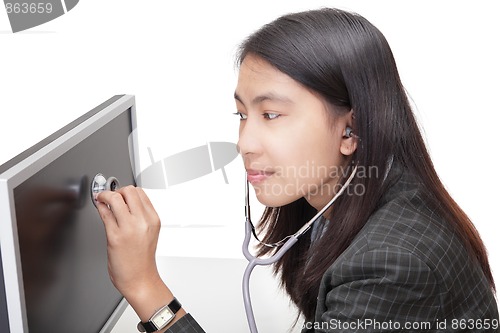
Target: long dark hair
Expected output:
[345,59]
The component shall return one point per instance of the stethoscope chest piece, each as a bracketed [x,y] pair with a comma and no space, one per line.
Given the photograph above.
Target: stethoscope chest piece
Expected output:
[100,184]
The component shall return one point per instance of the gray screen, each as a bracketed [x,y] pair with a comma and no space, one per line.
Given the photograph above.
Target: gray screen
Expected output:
[62,239]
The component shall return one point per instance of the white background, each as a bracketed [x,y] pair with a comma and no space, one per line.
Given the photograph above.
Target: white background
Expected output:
[178,59]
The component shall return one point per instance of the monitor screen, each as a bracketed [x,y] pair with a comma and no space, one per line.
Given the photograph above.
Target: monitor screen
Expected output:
[53,245]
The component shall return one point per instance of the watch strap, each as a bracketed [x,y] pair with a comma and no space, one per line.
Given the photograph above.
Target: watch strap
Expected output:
[149,326]
[175,305]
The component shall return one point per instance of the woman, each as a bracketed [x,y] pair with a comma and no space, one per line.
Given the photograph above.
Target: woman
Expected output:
[318,93]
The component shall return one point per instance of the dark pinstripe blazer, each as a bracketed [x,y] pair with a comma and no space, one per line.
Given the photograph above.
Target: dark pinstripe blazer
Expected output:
[405,267]
[186,324]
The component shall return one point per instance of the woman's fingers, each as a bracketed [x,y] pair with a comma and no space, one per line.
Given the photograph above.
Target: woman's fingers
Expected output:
[116,203]
[107,216]
[124,201]
[131,197]
[125,205]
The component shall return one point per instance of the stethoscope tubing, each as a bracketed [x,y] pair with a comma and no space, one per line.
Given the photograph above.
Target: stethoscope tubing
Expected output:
[254,261]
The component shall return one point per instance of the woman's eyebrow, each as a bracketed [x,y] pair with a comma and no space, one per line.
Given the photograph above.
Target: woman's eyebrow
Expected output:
[270,96]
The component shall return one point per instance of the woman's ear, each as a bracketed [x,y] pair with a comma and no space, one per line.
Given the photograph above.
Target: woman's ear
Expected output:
[349,142]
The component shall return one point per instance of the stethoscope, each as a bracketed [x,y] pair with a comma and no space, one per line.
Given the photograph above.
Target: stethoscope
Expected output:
[286,243]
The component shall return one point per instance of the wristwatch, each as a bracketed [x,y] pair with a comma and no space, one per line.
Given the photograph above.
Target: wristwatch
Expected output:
[160,318]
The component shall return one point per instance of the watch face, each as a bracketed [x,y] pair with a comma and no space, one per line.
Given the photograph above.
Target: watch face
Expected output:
[163,317]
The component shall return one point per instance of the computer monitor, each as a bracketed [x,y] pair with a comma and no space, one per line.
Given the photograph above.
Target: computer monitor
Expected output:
[53,263]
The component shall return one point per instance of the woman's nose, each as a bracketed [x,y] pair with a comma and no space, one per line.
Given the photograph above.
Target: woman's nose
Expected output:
[249,141]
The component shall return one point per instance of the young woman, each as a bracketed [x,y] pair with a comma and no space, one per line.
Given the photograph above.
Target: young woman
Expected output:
[319,94]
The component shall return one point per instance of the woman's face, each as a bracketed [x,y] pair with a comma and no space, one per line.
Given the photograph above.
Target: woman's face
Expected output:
[290,146]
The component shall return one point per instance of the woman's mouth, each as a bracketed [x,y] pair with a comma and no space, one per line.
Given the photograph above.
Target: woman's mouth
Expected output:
[258,176]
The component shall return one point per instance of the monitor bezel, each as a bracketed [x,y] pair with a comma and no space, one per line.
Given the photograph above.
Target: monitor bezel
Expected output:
[28,163]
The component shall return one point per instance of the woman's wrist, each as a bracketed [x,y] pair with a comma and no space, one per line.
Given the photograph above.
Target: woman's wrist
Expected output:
[146,298]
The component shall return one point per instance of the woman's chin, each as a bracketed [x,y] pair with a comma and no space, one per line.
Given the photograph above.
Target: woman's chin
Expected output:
[275,201]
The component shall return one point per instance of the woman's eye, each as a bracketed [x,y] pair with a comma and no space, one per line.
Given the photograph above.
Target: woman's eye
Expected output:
[271,116]
[241,115]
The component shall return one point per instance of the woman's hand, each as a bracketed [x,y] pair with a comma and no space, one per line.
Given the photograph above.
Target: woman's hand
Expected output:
[132,228]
